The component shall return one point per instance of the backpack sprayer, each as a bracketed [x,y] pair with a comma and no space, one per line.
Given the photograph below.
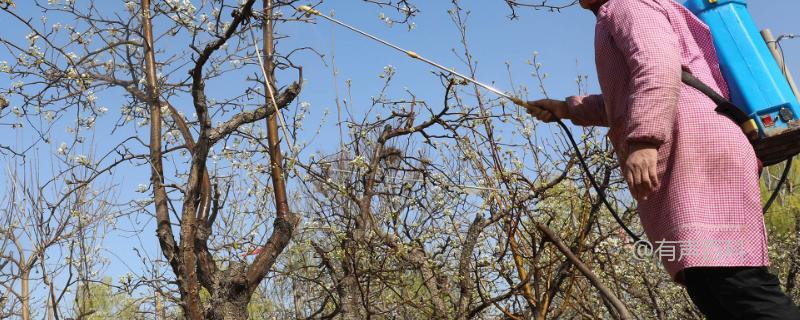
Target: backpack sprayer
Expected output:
[757,84]
[769,108]
[764,98]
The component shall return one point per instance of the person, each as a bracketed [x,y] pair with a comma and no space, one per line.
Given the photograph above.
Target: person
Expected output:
[692,171]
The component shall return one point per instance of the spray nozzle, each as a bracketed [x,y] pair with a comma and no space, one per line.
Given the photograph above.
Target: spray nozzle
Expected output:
[309,11]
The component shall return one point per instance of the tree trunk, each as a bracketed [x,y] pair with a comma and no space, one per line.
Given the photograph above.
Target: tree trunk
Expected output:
[230,295]
[349,282]
[50,315]
[160,307]
[25,297]
[297,295]
[184,265]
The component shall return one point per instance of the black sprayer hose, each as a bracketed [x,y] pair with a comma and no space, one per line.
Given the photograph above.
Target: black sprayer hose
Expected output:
[600,191]
[781,181]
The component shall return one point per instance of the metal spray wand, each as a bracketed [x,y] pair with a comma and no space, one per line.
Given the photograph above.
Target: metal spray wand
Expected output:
[309,11]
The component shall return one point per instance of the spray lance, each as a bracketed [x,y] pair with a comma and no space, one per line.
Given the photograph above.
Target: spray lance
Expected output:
[309,11]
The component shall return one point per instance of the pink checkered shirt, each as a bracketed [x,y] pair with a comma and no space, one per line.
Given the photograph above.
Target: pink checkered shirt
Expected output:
[707,206]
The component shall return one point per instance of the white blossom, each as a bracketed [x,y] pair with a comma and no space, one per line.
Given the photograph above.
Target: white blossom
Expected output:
[32,37]
[82,160]
[385,19]
[71,73]
[91,98]
[359,162]
[388,72]
[62,149]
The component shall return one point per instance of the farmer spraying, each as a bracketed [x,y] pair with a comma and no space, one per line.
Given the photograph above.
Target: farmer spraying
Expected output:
[691,169]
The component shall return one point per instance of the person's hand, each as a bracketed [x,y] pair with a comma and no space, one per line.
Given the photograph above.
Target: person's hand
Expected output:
[640,170]
[548,110]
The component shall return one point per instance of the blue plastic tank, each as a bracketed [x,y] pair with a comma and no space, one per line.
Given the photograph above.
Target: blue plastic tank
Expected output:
[755,80]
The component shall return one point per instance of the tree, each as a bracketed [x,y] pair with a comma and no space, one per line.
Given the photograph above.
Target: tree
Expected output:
[73,78]
[96,300]
[65,66]
[50,230]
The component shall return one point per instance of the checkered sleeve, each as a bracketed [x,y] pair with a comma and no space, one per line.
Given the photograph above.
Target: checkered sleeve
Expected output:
[587,110]
[642,32]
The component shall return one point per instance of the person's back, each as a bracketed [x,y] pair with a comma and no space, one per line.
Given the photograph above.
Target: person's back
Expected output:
[691,169]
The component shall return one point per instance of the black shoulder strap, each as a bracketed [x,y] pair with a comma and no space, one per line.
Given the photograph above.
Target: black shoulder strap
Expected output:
[723,105]
[693,82]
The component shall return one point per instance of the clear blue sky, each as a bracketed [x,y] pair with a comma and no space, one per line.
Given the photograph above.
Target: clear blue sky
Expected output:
[563,40]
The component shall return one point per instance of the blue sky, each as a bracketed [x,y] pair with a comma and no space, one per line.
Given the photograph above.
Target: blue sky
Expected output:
[563,40]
